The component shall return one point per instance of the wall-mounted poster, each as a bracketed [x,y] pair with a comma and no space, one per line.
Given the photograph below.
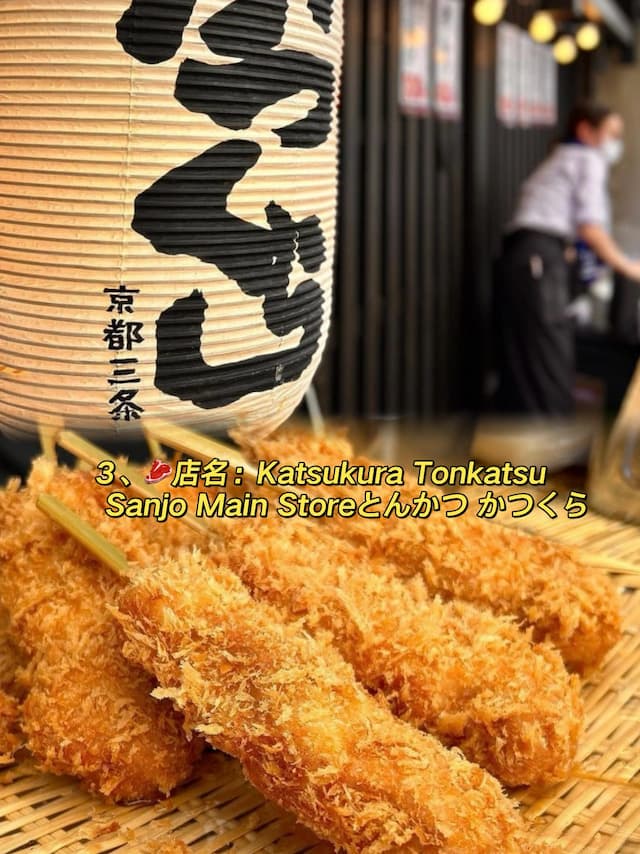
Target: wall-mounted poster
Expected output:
[415,56]
[449,35]
[536,106]
[527,82]
[507,74]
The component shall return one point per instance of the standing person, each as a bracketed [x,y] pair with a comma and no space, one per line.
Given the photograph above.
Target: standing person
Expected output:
[565,201]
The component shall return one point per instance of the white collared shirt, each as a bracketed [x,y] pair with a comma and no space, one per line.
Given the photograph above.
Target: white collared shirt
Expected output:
[568,190]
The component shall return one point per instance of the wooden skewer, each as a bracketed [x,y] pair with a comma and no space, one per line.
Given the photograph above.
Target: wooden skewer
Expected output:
[612,565]
[155,449]
[196,445]
[48,435]
[94,455]
[201,447]
[315,411]
[580,774]
[95,543]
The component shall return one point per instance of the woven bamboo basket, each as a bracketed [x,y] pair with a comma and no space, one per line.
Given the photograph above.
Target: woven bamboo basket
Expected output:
[168,177]
[597,810]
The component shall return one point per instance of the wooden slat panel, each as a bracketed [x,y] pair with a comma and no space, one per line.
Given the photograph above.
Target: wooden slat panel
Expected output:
[373,213]
[423,205]
[346,321]
[411,284]
[394,223]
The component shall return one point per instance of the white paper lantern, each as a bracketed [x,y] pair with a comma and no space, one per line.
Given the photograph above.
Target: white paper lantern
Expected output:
[168,185]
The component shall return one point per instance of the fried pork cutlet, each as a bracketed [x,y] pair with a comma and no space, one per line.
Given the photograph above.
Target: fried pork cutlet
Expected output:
[307,735]
[452,669]
[463,674]
[544,585]
[87,712]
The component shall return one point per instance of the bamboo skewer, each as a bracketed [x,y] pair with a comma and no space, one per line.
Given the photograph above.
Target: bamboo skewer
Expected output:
[92,454]
[48,437]
[137,485]
[614,566]
[198,446]
[155,448]
[315,411]
[83,533]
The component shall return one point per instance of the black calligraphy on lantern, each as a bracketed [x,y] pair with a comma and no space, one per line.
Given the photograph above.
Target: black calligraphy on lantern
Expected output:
[124,406]
[261,268]
[121,336]
[121,299]
[124,372]
[186,210]
[270,75]
[151,30]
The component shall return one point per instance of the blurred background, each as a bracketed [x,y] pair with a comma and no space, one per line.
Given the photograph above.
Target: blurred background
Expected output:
[447,107]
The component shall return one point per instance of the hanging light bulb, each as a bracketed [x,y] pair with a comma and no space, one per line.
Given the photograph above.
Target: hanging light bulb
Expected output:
[542,27]
[565,50]
[588,36]
[489,12]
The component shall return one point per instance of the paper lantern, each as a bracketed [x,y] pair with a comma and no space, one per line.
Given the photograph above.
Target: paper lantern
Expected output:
[168,183]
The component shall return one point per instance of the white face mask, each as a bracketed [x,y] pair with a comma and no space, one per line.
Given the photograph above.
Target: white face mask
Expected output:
[612,150]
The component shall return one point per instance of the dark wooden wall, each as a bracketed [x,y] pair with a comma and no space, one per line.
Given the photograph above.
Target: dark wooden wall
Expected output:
[498,159]
[422,205]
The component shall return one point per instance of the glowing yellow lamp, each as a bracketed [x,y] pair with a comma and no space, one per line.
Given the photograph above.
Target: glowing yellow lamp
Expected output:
[588,36]
[489,12]
[565,50]
[542,27]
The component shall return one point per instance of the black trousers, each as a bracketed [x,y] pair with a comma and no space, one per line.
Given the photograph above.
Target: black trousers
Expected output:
[536,342]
